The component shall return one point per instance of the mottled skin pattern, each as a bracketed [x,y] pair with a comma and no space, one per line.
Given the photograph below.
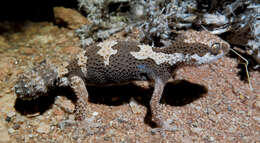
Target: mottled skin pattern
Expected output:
[120,62]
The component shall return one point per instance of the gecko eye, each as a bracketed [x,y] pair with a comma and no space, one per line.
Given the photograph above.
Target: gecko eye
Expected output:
[215,48]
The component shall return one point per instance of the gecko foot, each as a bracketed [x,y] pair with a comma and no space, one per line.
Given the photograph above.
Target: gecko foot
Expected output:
[163,127]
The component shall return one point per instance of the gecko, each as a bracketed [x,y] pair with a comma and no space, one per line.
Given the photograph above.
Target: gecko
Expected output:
[117,62]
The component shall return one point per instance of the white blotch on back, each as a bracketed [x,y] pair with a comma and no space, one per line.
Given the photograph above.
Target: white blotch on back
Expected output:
[146,52]
[62,69]
[82,61]
[207,58]
[106,50]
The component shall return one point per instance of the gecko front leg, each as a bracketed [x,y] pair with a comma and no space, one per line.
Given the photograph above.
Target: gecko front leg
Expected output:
[155,101]
[156,108]
[80,90]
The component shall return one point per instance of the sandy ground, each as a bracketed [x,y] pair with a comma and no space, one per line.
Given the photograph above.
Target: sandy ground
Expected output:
[206,104]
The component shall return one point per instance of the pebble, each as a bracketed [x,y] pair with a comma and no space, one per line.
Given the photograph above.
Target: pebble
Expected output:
[16,126]
[66,123]
[11,114]
[257,104]
[95,113]
[11,130]
[134,106]
[257,119]
[65,104]
[211,139]
[27,50]
[8,119]
[196,130]
[43,128]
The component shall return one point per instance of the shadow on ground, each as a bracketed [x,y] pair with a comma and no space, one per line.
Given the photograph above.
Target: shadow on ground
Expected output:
[178,93]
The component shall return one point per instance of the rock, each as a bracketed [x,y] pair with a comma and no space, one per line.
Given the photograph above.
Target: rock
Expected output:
[43,128]
[27,50]
[257,104]
[134,106]
[11,130]
[65,104]
[66,123]
[95,113]
[197,130]
[69,17]
[11,114]
[16,126]
[257,119]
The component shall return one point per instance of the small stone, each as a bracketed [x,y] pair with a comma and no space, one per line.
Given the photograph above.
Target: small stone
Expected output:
[8,119]
[19,119]
[231,129]
[11,114]
[72,18]
[211,139]
[257,119]
[65,104]
[58,113]
[242,97]
[16,126]
[257,104]
[43,128]
[27,51]
[95,113]
[196,130]
[11,130]
[66,123]
[134,106]
[111,123]
[229,108]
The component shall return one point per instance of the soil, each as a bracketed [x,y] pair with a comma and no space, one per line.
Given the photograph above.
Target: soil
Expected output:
[206,104]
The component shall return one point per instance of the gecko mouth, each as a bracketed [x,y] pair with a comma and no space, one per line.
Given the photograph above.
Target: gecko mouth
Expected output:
[27,97]
[27,91]
[207,58]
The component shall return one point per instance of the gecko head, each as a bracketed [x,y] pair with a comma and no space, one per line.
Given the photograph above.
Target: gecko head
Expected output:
[28,89]
[219,47]
[208,54]
[209,47]
[35,83]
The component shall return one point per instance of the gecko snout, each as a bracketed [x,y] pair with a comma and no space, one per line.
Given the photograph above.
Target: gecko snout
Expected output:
[27,89]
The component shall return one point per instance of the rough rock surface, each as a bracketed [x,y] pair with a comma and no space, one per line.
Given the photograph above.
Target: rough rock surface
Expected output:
[69,17]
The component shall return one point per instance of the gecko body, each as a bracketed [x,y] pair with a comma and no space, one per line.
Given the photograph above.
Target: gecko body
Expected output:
[116,62]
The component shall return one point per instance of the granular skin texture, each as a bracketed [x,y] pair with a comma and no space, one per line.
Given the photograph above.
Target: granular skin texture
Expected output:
[116,62]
